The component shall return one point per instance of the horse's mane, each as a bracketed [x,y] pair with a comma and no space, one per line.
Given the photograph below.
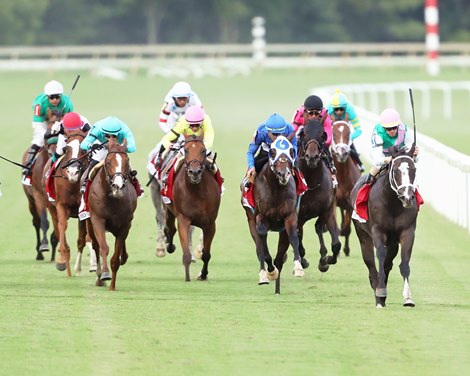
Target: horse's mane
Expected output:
[314,130]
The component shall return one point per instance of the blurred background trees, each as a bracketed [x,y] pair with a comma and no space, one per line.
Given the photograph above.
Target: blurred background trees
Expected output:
[69,22]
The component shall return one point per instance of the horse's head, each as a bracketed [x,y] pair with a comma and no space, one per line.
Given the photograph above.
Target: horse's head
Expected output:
[311,138]
[402,175]
[116,167]
[52,117]
[281,159]
[72,164]
[341,141]
[194,158]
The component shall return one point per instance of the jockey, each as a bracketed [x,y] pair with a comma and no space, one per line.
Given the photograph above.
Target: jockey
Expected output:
[195,122]
[97,137]
[177,101]
[388,135]
[71,122]
[52,98]
[341,109]
[313,109]
[265,134]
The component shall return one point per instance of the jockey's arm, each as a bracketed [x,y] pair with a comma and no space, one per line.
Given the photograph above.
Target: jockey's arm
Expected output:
[164,114]
[90,138]
[129,136]
[377,153]
[356,124]
[208,132]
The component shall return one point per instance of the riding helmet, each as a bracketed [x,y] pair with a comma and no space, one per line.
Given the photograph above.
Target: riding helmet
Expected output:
[181,89]
[194,115]
[313,102]
[275,123]
[110,125]
[53,87]
[72,121]
[389,118]
[339,99]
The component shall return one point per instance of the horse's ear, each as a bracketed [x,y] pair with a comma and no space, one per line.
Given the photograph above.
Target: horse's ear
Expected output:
[412,150]
[272,153]
[324,136]
[201,136]
[292,153]
[124,143]
[271,136]
[291,136]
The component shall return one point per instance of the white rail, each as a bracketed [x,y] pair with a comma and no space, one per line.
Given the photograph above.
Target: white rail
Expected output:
[443,173]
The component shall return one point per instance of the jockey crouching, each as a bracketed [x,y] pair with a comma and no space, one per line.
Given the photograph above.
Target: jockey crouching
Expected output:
[265,134]
[95,142]
[195,122]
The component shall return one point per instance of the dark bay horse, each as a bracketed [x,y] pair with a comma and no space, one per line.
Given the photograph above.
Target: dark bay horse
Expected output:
[392,211]
[196,201]
[275,210]
[37,198]
[319,200]
[112,203]
[66,177]
[347,174]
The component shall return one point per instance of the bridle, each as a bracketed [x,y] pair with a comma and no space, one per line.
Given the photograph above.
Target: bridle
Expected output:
[194,164]
[110,178]
[393,181]
[337,147]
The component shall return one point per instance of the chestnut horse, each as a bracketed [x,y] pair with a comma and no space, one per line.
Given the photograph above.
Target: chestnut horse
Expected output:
[319,200]
[392,212]
[112,201]
[196,201]
[275,210]
[37,198]
[66,177]
[347,174]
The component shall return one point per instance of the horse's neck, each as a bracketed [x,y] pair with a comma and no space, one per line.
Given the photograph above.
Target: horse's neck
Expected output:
[314,175]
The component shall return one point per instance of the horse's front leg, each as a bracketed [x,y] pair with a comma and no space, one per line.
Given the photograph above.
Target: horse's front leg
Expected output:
[208,236]
[281,256]
[119,256]
[290,224]
[96,250]
[263,279]
[303,259]
[262,237]
[159,217]
[170,231]
[99,232]
[380,240]
[64,249]
[332,225]
[406,240]
[81,241]
[183,230]
[323,264]
[346,230]
[41,208]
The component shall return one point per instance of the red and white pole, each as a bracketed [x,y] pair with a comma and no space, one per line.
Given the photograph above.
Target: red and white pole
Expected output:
[431,18]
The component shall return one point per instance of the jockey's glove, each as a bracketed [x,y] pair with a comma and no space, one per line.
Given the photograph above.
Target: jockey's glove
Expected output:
[95,147]
[56,127]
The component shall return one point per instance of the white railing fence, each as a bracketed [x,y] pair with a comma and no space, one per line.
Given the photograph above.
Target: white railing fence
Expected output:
[443,173]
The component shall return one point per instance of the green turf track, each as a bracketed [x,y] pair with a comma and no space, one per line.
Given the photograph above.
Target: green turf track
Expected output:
[156,324]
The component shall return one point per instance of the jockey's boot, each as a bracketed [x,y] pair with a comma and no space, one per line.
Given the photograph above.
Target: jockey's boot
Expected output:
[135,182]
[92,164]
[355,157]
[33,150]
[370,179]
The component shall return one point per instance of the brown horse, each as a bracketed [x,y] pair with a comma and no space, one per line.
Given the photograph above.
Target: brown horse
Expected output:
[319,200]
[275,210]
[112,203]
[66,177]
[37,198]
[392,212]
[196,201]
[347,174]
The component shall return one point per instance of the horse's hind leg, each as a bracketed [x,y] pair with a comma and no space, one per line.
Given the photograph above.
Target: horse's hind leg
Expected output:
[208,236]
[303,261]
[96,249]
[81,242]
[330,220]
[37,226]
[54,242]
[183,231]
[159,217]
[170,231]
[323,264]
[346,230]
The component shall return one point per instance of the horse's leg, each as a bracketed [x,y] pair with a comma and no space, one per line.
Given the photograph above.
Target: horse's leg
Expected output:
[332,225]
[183,231]
[282,247]
[380,244]
[200,246]
[64,249]
[208,236]
[60,263]
[304,262]
[346,229]
[96,250]
[41,209]
[323,264]
[170,231]
[190,239]
[262,277]
[91,251]
[99,231]
[119,256]
[406,240]
[159,217]
[81,242]
[262,245]
[290,224]
[37,226]
[54,242]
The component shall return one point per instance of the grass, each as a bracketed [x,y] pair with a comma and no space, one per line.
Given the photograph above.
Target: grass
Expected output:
[157,324]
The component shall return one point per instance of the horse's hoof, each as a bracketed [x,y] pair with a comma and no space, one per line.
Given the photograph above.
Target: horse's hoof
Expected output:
[273,275]
[298,270]
[331,260]
[60,267]
[304,262]
[263,279]
[323,267]
[170,248]
[380,306]
[346,252]
[100,283]
[201,278]
[39,256]
[408,302]
[105,276]
[160,252]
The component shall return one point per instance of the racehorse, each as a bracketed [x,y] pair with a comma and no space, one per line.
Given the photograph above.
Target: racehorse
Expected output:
[66,182]
[347,174]
[392,214]
[112,203]
[37,199]
[275,200]
[196,201]
[319,199]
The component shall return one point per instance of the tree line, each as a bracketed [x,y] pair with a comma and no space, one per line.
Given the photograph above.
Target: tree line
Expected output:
[69,22]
